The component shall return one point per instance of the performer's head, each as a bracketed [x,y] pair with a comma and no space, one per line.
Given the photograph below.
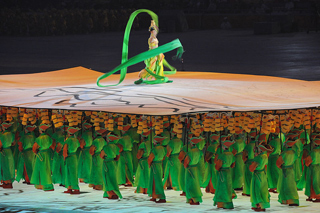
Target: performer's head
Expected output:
[153,29]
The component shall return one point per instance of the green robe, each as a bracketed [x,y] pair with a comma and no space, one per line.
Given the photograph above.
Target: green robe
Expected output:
[96,169]
[259,184]
[58,166]
[203,166]
[272,170]
[302,183]
[193,190]
[297,166]
[109,170]
[71,163]
[85,159]
[182,181]
[125,166]
[143,171]
[313,174]
[287,186]
[238,169]
[164,143]
[42,171]
[172,168]
[26,157]
[247,173]
[6,157]
[212,175]
[135,145]
[156,172]
[224,190]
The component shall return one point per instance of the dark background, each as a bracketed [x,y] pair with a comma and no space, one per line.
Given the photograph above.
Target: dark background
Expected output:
[271,37]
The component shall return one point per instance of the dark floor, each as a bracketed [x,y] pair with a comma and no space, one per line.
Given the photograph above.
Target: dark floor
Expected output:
[291,55]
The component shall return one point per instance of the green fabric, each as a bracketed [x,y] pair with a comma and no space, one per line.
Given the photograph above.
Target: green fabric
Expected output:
[238,169]
[172,168]
[212,175]
[249,148]
[193,190]
[143,171]
[259,184]
[85,159]
[183,170]
[272,170]
[124,164]
[298,148]
[44,141]
[71,171]
[58,166]
[7,138]
[97,162]
[224,190]
[109,170]
[42,172]
[287,186]
[6,165]
[313,173]
[156,172]
[142,56]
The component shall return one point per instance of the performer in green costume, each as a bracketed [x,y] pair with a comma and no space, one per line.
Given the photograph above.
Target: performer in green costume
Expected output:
[298,148]
[26,157]
[313,176]
[155,189]
[125,166]
[287,186]
[224,162]
[203,167]
[209,157]
[109,154]
[71,161]
[247,156]
[172,169]
[143,171]
[96,179]
[7,172]
[182,156]
[260,197]
[273,171]
[58,166]
[304,137]
[193,156]
[238,169]
[85,159]
[41,176]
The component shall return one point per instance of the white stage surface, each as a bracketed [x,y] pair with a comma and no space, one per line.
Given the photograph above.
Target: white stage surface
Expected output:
[76,89]
[25,198]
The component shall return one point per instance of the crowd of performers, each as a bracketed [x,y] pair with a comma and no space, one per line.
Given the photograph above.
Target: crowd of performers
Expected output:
[257,152]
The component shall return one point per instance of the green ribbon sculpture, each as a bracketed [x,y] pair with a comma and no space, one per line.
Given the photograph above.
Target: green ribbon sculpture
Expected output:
[147,56]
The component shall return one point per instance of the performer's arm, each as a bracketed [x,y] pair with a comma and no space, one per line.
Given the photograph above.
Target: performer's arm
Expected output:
[150,159]
[279,162]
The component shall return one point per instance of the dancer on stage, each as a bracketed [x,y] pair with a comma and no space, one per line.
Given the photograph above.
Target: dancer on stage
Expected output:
[7,172]
[41,176]
[224,162]
[260,197]
[125,165]
[155,189]
[58,166]
[172,169]
[273,171]
[209,158]
[96,180]
[143,171]
[85,159]
[110,154]
[287,186]
[247,156]
[238,170]
[313,176]
[26,157]
[71,161]
[193,156]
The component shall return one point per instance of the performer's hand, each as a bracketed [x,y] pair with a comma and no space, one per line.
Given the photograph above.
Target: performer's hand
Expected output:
[59,147]
[20,146]
[182,155]
[65,151]
[140,153]
[92,150]
[253,166]
[82,143]
[308,161]
[102,154]
[234,152]
[279,162]
[35,148]
[117,158]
